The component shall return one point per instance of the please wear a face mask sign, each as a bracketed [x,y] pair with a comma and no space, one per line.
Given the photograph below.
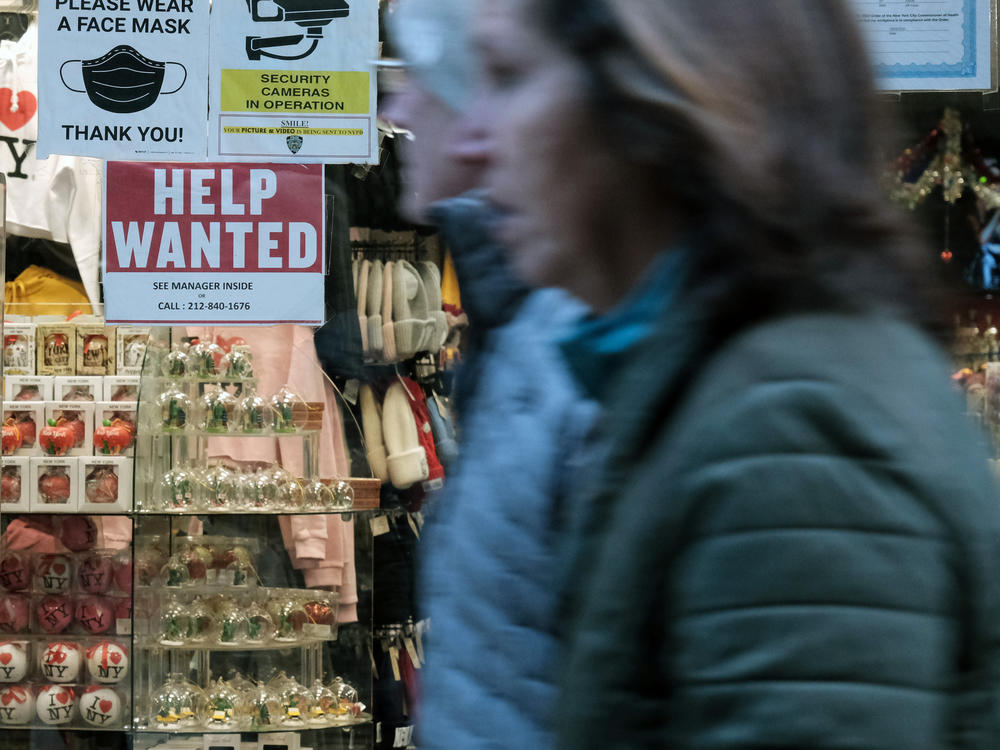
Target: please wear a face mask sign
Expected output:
[123,79]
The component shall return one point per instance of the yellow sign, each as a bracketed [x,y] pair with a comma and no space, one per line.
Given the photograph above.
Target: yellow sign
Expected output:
[295,92]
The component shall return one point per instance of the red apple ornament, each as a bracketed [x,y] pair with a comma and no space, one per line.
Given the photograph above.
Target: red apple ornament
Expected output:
[58,436]
[12,438]
[15,571]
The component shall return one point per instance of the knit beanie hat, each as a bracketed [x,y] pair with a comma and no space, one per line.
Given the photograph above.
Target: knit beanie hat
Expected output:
[431,277]
[433,37]
[362,293]
[410,313]
[388,332]
[371,425]
[407,461]
[374,308]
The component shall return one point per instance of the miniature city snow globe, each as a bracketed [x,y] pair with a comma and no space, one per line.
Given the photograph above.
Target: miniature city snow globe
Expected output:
[175,409]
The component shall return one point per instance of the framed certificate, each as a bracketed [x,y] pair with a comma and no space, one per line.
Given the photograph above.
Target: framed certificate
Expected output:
[929,45]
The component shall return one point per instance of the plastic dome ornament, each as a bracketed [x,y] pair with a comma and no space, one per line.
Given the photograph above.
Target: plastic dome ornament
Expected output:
[202,621]
[176,490]
[253,413]
[282,409]
[296,705]
[175,624]
[206,360]
[239,364]
[323,705]
[220,489]
[232,628]
[265,708]
[175,410]
[222,710]
[177,704]
[260,626]
[218,412]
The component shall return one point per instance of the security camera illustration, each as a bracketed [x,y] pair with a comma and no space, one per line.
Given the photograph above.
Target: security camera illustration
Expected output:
[123,80]
[311,15]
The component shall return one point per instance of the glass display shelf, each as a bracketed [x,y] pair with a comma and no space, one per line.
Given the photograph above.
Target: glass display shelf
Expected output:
[364,718]
[152,644]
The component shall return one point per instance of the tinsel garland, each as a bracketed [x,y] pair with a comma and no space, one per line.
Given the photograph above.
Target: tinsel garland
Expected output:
[946,169]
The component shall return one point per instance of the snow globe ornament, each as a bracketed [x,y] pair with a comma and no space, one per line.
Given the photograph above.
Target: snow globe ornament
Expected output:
[101,706]
[220,488]
[222,708]
[176,490]
[96,614]
[13,661]
[175,364]
[239,364]
[323,703]
[253,411]
[54,573]
[296,703]
[17,705]
[289,617]
[94,574]
[291,494]
[265,708]
[260,626]
[176,572]
[107,662]
[15,571]
[207,360]
[54,704]
[318,495]
[60,661]
[343,495]
[175,624]
[202,621]
[232,626]
[238,568]
[282,405]
[176,704]
[218,411]
[175,410]
[54,613]
[266,491]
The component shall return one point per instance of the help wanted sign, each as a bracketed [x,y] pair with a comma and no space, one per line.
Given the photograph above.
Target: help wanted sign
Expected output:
[238,244]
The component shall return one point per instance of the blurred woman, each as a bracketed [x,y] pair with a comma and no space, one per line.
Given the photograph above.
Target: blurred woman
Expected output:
[792,539]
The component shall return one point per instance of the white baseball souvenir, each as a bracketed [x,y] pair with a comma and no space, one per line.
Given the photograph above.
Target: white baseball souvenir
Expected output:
[107,662]
[16,704]
[13,661]
[101,706]
[55,573]
[60,661]
[54,704]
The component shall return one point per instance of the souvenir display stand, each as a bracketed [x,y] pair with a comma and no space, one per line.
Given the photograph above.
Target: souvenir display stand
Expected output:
[198,632]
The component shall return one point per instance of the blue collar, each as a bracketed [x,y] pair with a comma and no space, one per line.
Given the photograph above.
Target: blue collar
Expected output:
[596,345]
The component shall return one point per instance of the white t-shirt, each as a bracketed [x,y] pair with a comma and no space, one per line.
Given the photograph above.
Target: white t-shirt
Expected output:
[58,198]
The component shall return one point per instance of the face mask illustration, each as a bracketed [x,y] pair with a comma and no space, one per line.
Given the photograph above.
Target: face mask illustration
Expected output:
[123,80]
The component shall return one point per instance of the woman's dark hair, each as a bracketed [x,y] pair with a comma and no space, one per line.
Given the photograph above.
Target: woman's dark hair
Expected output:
[758,121]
